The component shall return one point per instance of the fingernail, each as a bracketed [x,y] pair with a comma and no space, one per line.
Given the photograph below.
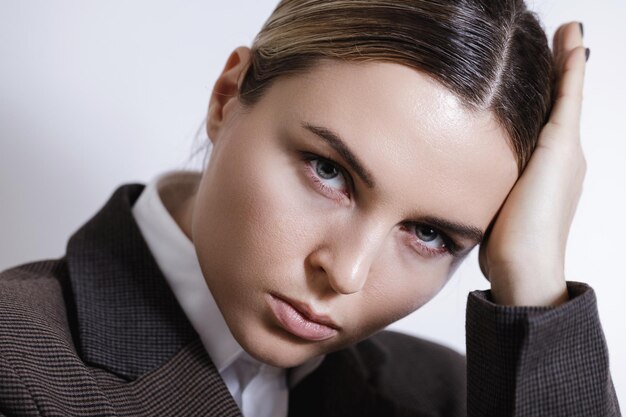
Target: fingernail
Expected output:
[587,53]
[582,30]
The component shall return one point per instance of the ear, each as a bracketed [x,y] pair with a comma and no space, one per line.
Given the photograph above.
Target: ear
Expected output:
[225,91]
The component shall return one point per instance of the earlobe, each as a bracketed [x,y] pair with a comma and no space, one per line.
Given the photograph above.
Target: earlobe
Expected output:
[225,91]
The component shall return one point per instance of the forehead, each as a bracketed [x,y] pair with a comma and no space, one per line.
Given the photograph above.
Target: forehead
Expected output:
[413,134]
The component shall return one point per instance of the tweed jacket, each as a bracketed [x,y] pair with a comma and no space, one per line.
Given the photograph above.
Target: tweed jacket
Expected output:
[99,333]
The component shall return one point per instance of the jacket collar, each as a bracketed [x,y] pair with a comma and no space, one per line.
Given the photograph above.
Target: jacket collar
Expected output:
[128,320]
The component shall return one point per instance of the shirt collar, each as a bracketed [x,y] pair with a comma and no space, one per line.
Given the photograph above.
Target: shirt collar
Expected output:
[176,257]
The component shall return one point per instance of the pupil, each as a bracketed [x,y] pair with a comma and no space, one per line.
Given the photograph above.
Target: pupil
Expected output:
[326,170]
[426,234]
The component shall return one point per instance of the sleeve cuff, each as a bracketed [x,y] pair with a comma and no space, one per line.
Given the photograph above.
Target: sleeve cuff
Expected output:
[536,356]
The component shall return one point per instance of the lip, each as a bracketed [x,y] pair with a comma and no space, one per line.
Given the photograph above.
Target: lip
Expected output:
[301,320]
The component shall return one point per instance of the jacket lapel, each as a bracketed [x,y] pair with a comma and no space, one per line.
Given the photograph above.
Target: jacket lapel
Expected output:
[128,321]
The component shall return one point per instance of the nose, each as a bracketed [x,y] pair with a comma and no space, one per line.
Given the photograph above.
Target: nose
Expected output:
[345,259]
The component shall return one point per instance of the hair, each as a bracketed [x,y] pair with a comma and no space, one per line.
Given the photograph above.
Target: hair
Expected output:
[493,54]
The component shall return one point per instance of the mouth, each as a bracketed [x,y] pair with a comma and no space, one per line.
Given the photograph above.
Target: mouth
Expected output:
[300,320]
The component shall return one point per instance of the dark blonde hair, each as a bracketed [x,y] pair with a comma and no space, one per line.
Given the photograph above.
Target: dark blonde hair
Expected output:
[493,54]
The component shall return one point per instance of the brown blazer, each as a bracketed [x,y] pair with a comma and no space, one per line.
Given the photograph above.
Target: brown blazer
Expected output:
[99,333]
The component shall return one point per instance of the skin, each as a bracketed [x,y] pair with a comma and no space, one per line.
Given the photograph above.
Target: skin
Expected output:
[279,210]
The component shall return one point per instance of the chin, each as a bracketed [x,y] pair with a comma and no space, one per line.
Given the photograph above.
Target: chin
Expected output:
[276,348]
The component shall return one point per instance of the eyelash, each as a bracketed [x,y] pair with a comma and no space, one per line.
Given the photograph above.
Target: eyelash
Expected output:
[449,246]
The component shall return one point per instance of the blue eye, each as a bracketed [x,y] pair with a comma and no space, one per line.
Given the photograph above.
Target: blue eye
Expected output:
[429,241]
[427,234]
[329,174]
[326,170]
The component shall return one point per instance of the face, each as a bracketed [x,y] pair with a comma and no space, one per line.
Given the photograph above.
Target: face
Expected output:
[340,202]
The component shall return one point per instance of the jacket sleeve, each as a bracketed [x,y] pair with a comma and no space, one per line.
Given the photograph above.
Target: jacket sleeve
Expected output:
[538,361]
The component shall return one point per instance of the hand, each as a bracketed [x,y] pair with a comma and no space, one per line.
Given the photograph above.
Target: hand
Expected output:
[523,255]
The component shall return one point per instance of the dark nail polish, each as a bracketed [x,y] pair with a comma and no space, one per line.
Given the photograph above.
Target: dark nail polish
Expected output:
[582,30]
[587,53]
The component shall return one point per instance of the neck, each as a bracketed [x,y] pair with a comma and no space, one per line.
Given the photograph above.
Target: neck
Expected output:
[179,202]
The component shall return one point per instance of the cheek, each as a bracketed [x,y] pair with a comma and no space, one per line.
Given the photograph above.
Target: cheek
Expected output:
[398,284]
[251,216]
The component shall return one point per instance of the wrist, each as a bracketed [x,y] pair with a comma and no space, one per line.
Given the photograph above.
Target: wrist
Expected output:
[540,288]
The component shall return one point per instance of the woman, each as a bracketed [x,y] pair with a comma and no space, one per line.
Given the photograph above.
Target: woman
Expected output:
[360,150]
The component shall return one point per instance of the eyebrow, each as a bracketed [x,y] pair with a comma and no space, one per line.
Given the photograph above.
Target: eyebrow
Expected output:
[472,233]
[335,141]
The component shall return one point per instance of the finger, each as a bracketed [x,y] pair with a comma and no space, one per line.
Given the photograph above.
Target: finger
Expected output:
[570,36]
[567,38]
[556,46]
[566,110]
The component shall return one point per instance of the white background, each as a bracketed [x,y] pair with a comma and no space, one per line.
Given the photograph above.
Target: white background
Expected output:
[94,94]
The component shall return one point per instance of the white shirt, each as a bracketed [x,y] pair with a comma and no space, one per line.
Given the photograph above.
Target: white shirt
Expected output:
[259,389]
